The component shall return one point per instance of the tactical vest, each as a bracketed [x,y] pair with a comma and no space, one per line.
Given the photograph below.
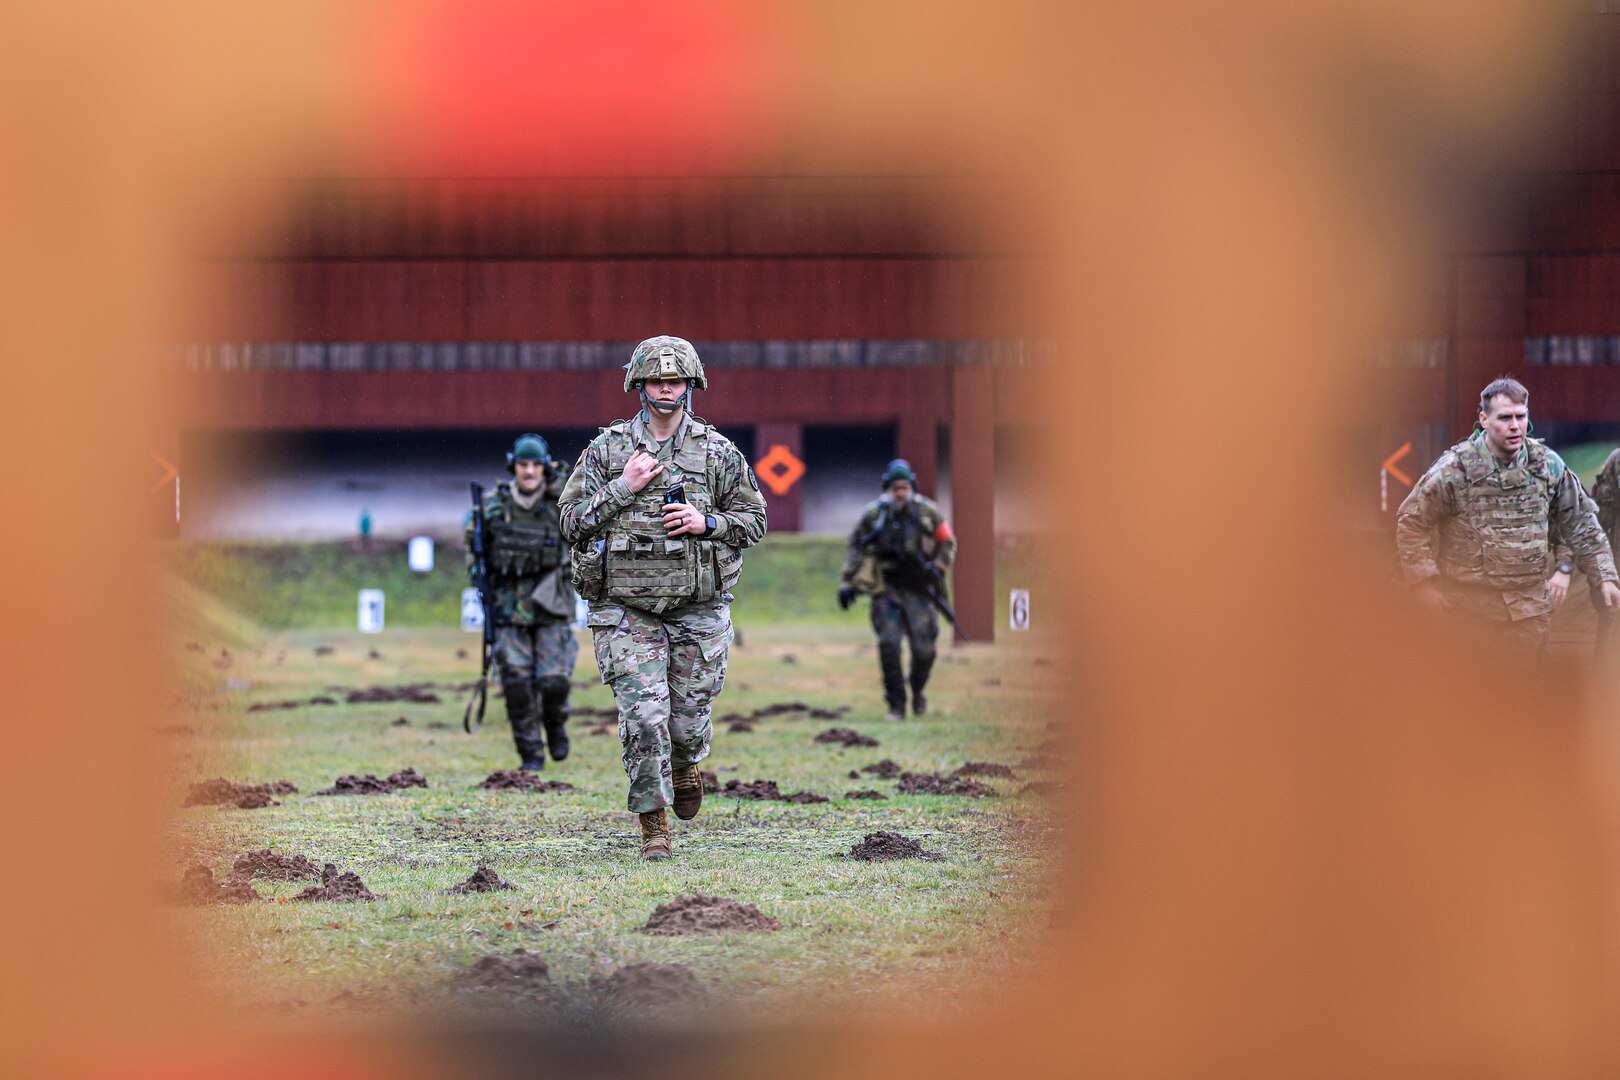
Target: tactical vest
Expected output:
[644,566]
[1499,534]
[524,543]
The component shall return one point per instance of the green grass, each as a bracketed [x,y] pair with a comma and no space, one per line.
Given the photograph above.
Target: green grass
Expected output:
[849,929]
[1586,459]
[791,578]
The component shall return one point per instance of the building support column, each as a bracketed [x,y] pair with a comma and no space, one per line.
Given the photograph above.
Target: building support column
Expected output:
[973,498]
[917,440]
[784,512]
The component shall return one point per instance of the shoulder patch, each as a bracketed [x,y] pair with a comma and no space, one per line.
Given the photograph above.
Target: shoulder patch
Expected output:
[753,481]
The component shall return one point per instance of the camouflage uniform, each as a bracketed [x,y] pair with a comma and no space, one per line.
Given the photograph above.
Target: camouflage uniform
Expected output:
[888,543]
[660,607]
[1482,530]
[1606,493]
[532,609]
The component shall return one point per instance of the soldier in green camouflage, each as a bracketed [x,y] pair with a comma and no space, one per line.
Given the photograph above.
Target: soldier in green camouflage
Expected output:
[659,509]
[900,536]
[1604,502]
[1474,535]
[532,601]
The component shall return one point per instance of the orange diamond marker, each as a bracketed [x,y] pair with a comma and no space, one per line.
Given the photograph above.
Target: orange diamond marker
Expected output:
[779,469]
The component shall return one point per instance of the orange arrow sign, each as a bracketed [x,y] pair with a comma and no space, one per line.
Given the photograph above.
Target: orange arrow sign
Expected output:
[169,472]
[1389,464]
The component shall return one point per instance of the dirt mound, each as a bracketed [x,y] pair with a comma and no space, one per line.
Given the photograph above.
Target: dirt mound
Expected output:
[778,708]
[222,792]
[649,984]
[420,693]
[883,770]
[755,789]
[370,785]
[867,794]
[336,888]
[711,782]
[881,846]
[324,650]
[1041,761]
[272,867]
[984,768]
[270,706]
[805,797]
[699,914]
[846,736]
[518,780]
[403,721]
[934,784]
[739,726]
[199,887]
[1043,788]
[522,973]
[483,880]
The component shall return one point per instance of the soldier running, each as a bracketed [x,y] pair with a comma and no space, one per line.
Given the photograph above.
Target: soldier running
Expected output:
[659,509]
[1473,534]
[532,606]
[901,542]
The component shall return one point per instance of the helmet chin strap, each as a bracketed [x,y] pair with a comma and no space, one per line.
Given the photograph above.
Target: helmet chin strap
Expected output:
[665,407]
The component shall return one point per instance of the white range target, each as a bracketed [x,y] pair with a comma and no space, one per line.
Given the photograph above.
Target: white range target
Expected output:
[1018,610]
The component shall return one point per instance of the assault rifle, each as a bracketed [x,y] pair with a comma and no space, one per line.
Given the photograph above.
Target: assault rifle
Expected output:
[918,573]
[480,580]
[913,571]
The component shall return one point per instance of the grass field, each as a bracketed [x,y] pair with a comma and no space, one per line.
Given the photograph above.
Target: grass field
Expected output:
[848,929]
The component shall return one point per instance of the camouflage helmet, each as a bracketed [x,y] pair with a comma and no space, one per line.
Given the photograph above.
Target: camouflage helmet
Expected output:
[664,357]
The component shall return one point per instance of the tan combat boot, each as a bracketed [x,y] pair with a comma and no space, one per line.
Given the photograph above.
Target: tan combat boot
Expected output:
[654,835]
[688,792]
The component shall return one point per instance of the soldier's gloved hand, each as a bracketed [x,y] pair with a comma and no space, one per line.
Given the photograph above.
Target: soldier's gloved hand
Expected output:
[846,596]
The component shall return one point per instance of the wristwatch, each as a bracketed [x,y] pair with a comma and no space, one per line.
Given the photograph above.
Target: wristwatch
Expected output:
[1564,568]
[709,524]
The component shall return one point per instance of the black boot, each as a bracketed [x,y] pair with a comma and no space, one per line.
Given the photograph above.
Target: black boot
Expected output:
[921,665]
[894,680]
[525,720]
[554,713]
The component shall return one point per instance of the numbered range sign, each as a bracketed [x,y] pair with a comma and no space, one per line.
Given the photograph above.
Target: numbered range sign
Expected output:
[420,554]
[472,612]
[1018,610]
[371,611]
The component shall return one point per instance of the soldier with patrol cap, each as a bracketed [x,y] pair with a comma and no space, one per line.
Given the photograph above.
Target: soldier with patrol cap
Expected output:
[901,540]
[1474,534]
[532,601]
[658,509]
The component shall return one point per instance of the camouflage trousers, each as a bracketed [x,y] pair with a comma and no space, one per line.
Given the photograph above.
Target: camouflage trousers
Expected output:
[904,615]
[1488,612]
[665,670]
[534,652]
[534,664]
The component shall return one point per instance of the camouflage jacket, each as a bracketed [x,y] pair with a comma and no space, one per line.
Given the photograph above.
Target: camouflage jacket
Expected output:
[597,500]
[1606,493]
[1481,525]
[888,534]
[535,596]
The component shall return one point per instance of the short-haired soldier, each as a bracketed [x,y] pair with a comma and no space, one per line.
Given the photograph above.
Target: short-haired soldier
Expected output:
[1473,534]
